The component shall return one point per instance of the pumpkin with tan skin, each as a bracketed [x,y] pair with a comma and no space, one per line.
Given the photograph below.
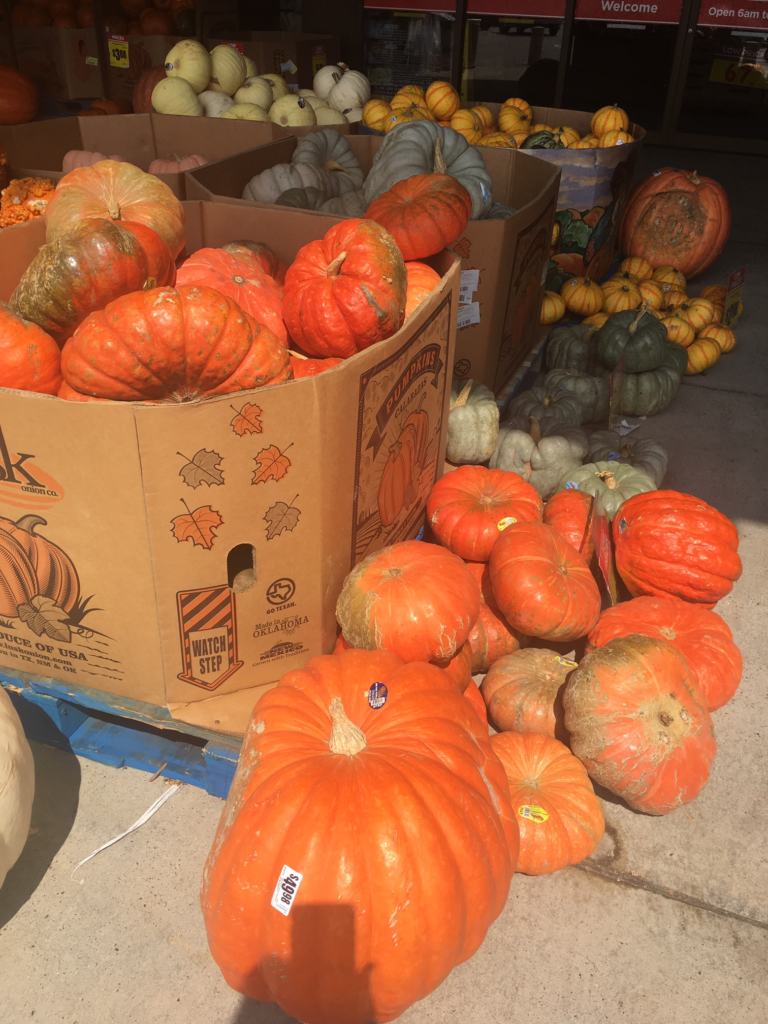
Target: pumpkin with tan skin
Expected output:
[523,691]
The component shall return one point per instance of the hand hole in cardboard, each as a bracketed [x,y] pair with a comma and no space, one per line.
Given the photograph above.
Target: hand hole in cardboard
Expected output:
[241,568]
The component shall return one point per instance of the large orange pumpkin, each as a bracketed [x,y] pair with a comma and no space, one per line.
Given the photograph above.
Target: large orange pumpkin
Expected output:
[18,97]
[568,513]
[142,91]
[559,817]
[637,721]
[167,343]
[32,566]
[414,599]
[115,190]
[458,668]
[699,634]
[87,268]
[421,282]
[670,544]
[423,213]
[359,822]
[543,585]
[523,691]
[676,218]
[346,291]
[29,358]
[491,637]
[255,292]
[468,508]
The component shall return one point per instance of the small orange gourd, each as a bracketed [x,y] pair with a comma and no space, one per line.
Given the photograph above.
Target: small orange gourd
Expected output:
[702,353]
[714,292]
[724,336]
[520,104]
[610,118]
[636,265]
[670,275]
[443,100]
[468,124]
[652,293]
[582,296]
[698,313]
[679,331]
[618,137]
[626,296]
[512,118]
[485,115]
[552,308]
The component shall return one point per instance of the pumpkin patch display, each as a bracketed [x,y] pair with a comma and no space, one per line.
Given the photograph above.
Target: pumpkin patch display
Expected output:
[473,423]
[569,513]
[467,509]
[317,736]
[29,358]
[638,723]
[424,213]
[523,691]
[491,637]
[655,556]
[417,600]
[543,585]
[559,817]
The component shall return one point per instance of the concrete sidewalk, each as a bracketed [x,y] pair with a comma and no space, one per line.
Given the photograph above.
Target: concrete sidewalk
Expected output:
[666,923]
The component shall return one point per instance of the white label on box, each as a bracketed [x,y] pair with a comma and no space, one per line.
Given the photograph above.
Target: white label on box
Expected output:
[93,61]
[285,891]
[290,67]
[469,314]
[468,285]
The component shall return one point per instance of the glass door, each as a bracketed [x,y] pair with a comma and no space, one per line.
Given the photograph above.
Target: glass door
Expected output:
[408,44]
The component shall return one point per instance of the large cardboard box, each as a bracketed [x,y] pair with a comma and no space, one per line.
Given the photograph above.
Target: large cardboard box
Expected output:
[62,62]
[297,56]
[208,577]
[38,148]
[503,262]
[131,58]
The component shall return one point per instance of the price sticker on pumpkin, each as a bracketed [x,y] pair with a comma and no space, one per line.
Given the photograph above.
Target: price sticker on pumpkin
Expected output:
[532,812]
[285,891]
[377,695]
[566,662]
[118,52]
[505,522]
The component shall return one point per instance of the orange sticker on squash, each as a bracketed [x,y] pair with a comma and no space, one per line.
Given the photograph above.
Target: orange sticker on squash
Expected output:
[505,522]
[533,813]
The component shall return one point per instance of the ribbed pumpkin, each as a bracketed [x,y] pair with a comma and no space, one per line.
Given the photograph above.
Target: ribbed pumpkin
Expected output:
[157,344]
[543,585]
[670,275]
[566,135]
[422,280]
[670,544]
[615,281]
[404,115]
[472,695]
[142,91]
[305,367]
[636,265]
[491,637]
[443,100]
[85,269]
[240,278]
[523,691]
[459,667]
[677,218]
[423,213]
[702,353]
[724,336]
[552,308]
[32,566]
[615,138]
[714,292]
[582,296]
[610,118]
[699,634]
[362,881]
[567,512]
[626,296]
[18,97]
[469,508]
[414,599]
[559,817]
[517,103]
[678,330]
[398,487]
[375,114]
[486,116]
[468,124]
[29,358]
[673,297]
[115,191]
[512,119]
[596,319]
[586,143]
[497,140]
[346,291]
[652,293]
[638,723]
[698,313]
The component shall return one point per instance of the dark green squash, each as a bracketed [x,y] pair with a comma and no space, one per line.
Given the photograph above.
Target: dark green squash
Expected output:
[572,348]
[635,334]
[650,392]
[542,140]
[557,277]
[308,198]
[593,393]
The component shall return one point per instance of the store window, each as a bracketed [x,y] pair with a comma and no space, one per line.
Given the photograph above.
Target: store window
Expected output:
[407,45]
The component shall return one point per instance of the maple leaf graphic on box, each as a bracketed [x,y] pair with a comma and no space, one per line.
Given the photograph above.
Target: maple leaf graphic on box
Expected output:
[281,517]
[247,420]
[198,525]
[272,464]
[202,468]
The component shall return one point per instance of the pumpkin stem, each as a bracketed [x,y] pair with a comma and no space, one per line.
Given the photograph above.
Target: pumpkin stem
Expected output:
[695,178]
[28,523]
[535,430]
[439,165]
[149,284]
[296,355]
[609,480]
[463,397]
[346,737]
[113,209]
[626,451]
[335,266]
[641,309]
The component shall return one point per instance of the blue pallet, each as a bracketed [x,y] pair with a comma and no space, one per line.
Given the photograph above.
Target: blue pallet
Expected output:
[121,732]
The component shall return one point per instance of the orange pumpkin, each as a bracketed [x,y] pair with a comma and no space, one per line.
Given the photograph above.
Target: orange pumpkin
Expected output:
[518,134]
[626,296]
[512,119]
[559,817]
[616,280]
[596,319]
[523,691]
[652,293]
[610,118]
[588,142]
[566,135]
[485,116]
[491,637]
[671,276]
[615,138]
[406,115]
[468,124]
[582,296]
[498,140]
[516,102]
[360,902]
[679,331]
[718,309]
[375,114]
[443,100]
[29,358]
[724,336]
[552,308]
[422,281]
[673,297]
[568,513]
[714,292]
[18,96]
[636,265]
[424,213]
[702,353]
[459,667]
[698,313]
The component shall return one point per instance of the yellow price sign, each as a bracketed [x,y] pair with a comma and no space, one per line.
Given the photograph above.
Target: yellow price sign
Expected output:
[118,52]
[750,76]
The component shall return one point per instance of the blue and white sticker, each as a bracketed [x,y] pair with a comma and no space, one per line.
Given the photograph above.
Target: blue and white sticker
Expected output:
[377,695]
[613,457]
[571,486]
[285,891]
[622,525]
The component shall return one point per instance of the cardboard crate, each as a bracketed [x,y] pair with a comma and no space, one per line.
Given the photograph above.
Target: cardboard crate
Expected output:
[503,262]
[157,552]
[141,54]
[38,148]
[62,62]
[297,56]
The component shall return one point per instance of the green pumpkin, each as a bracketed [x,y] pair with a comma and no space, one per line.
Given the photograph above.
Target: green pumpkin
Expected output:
[632,333]
[612,481]
[650,392]
[542,140]
[593,393]
[541,460]
[557,277]
[308,198]
[643,453]
[547,407]
[572,348]
[501,212]
[473,423]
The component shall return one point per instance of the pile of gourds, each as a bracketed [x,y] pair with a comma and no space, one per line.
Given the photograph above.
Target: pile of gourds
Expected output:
[225,83]
[513,128]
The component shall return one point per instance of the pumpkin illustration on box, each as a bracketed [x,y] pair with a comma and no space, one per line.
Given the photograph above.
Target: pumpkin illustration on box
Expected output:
[400,480]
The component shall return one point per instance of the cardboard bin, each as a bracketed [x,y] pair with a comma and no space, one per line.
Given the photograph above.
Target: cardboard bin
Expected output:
[38,148]
[297,56]
[62,62]
[206,586]
[503,262]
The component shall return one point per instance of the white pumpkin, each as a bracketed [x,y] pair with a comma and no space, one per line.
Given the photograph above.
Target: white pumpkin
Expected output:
[268,186]
[332,152]
[215,103]
[176,96]
[326,78]
[353,114]
[246,112]
[314,101]
[228,71]
[255,90]
[292,111]
[250,67]
[191,61]
[327,115]
[17,786]
[306,93]
[354,90]
[278,85]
